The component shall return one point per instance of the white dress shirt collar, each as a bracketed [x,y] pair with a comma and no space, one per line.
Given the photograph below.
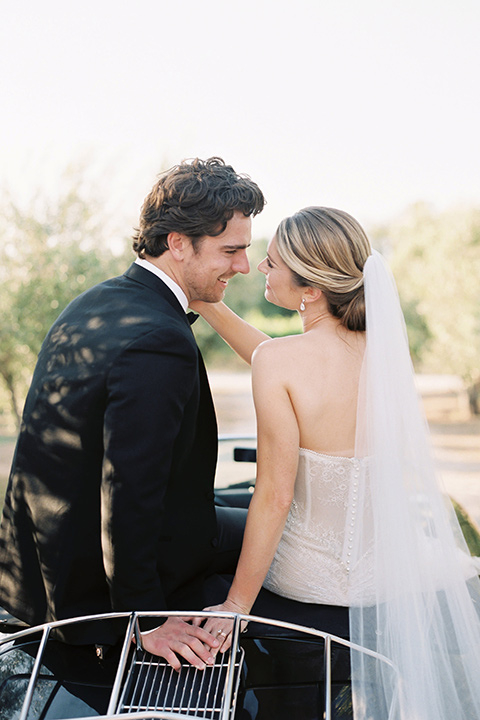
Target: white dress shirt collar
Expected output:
[174,287]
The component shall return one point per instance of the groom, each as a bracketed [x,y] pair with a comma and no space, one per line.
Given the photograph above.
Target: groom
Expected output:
[110,504]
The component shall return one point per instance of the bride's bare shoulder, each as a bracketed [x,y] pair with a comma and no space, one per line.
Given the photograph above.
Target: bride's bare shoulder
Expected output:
[276,351]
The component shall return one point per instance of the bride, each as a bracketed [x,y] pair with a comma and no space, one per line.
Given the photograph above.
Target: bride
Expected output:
[347,511]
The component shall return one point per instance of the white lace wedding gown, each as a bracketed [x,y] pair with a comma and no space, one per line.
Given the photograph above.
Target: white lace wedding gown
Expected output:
[313,562]
[351,517]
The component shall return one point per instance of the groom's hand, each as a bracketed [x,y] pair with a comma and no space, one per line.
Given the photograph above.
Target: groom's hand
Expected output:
[177,637]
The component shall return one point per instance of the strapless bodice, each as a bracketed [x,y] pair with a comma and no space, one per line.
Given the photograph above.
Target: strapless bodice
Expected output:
[315,560]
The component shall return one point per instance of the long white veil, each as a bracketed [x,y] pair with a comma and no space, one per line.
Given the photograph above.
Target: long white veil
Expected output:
[421,605]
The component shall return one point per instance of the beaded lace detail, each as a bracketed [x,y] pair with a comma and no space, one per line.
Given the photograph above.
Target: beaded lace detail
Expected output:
[315,560]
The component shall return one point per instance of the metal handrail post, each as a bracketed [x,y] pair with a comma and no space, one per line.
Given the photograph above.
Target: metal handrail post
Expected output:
[33,677]
[231,667]
[328,677]
[114,695]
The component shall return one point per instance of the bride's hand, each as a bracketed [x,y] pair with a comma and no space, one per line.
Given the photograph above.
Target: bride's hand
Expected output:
[222,628]
[240,335]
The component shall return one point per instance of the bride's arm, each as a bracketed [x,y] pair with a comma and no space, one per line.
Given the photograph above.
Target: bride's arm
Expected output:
[242,337]
[277,460]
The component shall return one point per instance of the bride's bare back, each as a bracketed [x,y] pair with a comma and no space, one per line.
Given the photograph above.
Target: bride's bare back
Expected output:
[318,374]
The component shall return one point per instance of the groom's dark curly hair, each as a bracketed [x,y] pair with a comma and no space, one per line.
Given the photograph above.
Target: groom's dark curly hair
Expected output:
[195,198]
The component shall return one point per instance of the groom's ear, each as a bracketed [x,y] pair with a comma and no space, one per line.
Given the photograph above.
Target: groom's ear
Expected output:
[177,245]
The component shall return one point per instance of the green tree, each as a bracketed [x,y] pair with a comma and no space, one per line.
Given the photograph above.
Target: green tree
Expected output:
[435,257]
[49,254]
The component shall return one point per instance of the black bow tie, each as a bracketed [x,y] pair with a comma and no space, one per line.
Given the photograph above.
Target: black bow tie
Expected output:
[191,317]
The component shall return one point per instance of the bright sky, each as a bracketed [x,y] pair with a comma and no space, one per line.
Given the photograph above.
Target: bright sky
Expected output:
[366,105]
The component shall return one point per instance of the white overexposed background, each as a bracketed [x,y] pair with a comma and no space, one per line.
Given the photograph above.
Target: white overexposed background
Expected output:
[367,105]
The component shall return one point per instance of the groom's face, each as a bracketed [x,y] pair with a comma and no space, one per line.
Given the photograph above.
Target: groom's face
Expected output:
[215,260]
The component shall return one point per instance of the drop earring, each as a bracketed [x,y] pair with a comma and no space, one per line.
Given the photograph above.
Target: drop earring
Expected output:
[302,305]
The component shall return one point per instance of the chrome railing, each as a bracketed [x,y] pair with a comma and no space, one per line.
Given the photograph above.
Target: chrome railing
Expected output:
[145,687]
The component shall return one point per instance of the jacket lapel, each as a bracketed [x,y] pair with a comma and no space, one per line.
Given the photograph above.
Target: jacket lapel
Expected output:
[149,279]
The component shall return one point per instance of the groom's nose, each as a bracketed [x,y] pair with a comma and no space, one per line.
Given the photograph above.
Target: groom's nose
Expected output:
[240,263]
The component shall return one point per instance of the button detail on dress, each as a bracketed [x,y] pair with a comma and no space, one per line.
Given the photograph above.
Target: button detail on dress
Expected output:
[352,514]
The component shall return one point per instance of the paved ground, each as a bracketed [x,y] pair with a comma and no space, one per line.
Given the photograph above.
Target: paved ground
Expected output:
[456,438]
[457,450]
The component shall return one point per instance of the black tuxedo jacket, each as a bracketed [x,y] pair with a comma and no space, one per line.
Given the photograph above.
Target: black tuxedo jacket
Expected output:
[110,500]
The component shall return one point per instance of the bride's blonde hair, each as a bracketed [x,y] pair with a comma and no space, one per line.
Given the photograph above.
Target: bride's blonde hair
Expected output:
[328,248]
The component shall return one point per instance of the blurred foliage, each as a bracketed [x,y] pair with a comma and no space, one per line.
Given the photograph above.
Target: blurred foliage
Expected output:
[417,329]
[52,251]
[435,257]
[469,529]
[49,254]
